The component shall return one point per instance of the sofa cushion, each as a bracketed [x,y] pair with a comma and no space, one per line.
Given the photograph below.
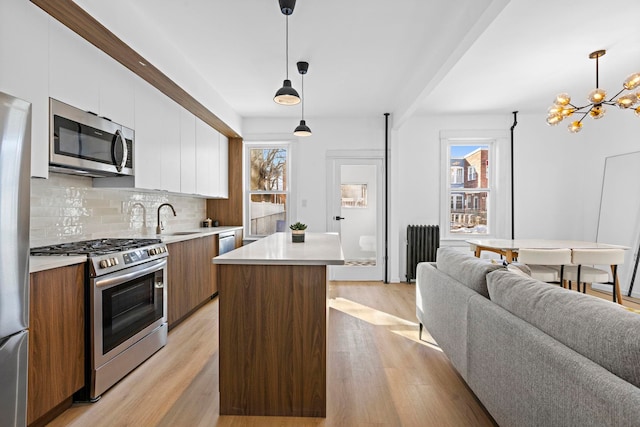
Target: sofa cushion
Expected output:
[598,329]
[466,269]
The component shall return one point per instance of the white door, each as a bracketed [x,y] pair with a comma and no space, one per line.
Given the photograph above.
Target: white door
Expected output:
[355,212]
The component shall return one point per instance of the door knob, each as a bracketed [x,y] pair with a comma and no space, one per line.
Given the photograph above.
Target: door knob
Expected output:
[338,218]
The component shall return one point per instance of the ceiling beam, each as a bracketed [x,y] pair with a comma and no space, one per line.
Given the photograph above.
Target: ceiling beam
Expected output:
[87,27]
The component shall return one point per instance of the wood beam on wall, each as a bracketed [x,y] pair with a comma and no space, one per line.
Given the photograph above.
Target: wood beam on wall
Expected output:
[87,27]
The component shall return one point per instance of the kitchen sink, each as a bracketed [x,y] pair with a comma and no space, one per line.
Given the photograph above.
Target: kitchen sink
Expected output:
[181,233]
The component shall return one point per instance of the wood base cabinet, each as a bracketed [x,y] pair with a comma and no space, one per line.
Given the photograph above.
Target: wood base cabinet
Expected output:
[192,277]
[56,342]
[273,340]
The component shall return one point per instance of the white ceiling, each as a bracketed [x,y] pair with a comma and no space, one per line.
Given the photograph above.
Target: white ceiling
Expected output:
[368,57]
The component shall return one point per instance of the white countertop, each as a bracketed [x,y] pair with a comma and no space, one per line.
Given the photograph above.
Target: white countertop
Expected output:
[183,235]
[41,263]
[277,249]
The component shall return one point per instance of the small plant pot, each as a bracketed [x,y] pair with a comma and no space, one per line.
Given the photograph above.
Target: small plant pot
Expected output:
[297,236]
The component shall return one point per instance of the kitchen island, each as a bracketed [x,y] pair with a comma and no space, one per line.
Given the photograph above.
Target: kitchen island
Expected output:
[273,325]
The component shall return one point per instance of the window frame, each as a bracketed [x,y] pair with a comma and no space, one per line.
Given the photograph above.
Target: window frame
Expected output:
[248,192]
[498,218]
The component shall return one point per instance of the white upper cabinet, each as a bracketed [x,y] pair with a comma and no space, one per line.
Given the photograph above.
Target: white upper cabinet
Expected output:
[24,70]
[187,152]
[116,84]
[157,140]
[148,136]
[41,58]
[223,190]
[207,160]
[73,69]
[169,122]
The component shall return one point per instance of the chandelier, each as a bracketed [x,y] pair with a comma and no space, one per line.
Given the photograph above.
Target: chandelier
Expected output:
[563,108]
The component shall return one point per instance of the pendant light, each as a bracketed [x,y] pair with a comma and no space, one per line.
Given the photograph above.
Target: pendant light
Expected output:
[287,95]
[302,129]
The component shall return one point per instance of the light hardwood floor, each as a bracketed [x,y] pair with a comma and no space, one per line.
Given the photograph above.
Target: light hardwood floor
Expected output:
[378,374]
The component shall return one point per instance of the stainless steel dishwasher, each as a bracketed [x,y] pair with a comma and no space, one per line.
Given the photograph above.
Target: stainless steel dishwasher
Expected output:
[226,242]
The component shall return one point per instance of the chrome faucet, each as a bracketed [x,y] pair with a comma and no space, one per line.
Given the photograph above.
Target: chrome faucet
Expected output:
[159,228]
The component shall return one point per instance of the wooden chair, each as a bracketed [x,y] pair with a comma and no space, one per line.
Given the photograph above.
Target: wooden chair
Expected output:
[547,265]
[582,271]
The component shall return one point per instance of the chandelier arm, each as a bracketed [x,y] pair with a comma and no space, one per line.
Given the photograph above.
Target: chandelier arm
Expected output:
[584,106]
[584,115]
[616,95]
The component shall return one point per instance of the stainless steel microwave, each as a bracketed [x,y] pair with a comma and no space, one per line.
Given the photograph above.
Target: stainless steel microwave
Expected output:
[83,143]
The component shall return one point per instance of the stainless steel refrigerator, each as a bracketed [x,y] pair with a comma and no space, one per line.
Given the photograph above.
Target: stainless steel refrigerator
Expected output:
[15,161]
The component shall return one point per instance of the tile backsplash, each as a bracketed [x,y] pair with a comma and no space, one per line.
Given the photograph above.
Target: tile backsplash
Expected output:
[67,208]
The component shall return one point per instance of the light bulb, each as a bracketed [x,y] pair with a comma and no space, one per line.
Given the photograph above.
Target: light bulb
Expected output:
[597,95]
[555,108]
[567,112]
[632,81]
[554,119]
[563,99]
[575,127]
[597,112]
[638,111]
[627,101]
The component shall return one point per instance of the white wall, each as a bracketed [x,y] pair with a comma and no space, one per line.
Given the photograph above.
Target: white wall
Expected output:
[558,175]
[309,174]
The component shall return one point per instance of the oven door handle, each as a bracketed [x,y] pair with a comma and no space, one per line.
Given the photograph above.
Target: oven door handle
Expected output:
[116,279]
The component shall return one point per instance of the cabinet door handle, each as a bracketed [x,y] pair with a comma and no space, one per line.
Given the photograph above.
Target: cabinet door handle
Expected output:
[338,218]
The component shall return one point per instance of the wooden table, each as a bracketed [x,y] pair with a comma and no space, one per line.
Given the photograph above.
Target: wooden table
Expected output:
[273,325]
[509,249]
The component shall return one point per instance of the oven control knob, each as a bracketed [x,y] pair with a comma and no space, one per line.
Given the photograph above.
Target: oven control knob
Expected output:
[114,261]
[162,249]
[105,263]
[152,251]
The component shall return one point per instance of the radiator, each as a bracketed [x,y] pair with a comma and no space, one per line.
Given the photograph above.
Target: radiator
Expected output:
[423,242]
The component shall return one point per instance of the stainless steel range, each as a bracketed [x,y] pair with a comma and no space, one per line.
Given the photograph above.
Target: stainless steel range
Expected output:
[127,305]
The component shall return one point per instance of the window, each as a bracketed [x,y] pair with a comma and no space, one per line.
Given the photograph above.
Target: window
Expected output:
[456,201]
[354,195]
[457,173]
[472,175]
[267,188]
[469,207]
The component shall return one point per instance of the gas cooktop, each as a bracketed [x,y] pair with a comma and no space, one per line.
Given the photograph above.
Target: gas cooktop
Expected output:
[94,247]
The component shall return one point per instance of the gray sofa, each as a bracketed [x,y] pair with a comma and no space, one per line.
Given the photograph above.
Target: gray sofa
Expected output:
[534,354]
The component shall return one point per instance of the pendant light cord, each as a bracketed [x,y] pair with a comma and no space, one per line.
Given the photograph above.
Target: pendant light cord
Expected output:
[286,64]
[597,83]
[302,96]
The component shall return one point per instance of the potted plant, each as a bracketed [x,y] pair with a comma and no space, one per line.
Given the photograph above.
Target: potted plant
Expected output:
[297,232]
